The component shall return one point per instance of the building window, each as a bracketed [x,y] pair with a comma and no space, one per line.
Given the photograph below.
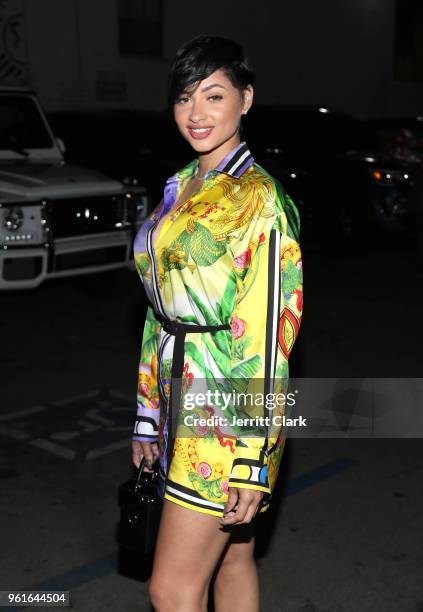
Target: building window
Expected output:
[408,58]
[140,27]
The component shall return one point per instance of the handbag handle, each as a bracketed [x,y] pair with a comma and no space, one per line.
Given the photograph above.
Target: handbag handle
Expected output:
[141,471]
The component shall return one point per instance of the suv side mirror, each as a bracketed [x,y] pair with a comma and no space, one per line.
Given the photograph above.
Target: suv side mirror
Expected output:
[61,145]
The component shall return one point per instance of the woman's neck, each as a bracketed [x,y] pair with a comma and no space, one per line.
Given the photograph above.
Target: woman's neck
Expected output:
[208,161]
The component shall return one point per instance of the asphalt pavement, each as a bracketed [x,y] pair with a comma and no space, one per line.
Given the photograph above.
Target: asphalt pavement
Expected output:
[345,532]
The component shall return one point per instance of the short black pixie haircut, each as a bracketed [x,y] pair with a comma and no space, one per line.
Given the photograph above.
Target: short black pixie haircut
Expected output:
[198,58]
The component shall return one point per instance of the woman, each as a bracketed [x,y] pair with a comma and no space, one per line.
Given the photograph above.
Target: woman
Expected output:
[221,265]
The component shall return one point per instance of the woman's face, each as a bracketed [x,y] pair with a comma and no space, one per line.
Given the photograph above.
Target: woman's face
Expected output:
[210,115]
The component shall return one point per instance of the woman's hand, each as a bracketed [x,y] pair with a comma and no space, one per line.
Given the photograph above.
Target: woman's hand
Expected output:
[144,449]
[242,506]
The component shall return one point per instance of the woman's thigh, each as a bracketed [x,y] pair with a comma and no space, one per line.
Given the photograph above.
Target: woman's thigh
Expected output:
[239,548]
[189,546]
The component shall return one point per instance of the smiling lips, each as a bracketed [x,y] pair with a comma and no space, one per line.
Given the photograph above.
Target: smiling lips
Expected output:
[199,133]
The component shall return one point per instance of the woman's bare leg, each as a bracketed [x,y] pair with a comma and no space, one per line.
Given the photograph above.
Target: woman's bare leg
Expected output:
[236,585]
[189,546]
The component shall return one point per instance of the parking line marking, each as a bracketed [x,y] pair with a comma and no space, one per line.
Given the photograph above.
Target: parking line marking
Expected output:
[21,413]
[51,447]
[317,475]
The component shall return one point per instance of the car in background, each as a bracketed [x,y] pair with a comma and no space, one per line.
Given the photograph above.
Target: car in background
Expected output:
[402,137]
[334,167]
[56,219]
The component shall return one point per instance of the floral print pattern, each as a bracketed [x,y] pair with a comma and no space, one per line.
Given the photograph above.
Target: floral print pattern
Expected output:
[229,254]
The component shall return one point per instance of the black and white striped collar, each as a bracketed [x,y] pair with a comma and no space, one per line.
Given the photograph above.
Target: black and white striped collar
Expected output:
[236,161]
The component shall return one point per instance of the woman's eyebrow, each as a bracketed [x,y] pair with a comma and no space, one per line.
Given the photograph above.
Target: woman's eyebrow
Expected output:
[185,92]
[213,85]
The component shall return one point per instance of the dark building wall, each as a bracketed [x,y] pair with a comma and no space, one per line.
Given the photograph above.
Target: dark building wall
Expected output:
[328,52]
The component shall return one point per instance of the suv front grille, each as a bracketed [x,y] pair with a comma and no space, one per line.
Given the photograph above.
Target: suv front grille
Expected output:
[87,215]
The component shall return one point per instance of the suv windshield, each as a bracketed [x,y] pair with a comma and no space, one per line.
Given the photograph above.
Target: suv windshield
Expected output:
[21,125]
[310,132]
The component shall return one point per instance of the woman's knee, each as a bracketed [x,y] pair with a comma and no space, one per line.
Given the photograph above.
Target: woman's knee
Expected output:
[161,595]
[175,595]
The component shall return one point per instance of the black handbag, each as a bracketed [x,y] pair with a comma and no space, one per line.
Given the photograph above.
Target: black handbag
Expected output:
[140,511]
[139,501]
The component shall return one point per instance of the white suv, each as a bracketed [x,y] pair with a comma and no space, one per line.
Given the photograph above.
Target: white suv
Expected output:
[56,219]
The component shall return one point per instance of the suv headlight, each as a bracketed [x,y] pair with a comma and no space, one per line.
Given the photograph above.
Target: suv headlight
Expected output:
[20,225]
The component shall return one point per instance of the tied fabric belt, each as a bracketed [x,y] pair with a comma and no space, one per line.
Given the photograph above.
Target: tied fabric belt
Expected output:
[179,330]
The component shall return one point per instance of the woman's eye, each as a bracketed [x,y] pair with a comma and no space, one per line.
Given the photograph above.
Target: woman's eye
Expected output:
[183,99]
